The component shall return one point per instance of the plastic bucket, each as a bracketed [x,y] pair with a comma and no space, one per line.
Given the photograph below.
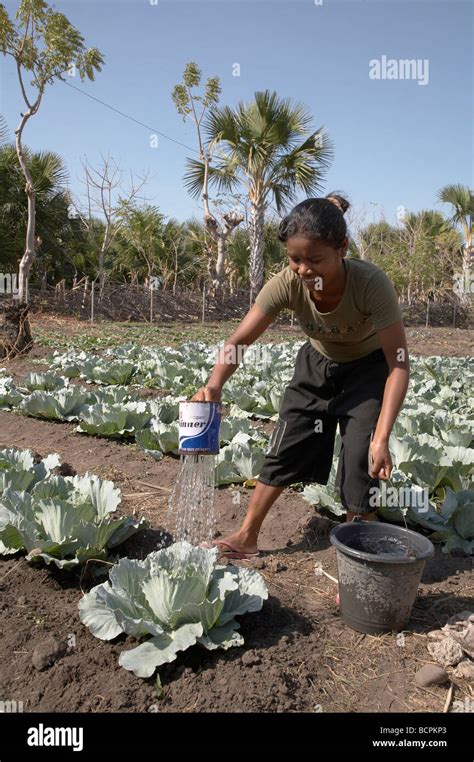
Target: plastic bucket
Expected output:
[379,570]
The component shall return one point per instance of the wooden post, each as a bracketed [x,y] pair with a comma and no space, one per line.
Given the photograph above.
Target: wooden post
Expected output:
[203,317]
[92,300]
[150,286]
[84,295]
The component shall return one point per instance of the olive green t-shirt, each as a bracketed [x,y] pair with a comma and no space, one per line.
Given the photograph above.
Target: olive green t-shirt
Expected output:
[369,304]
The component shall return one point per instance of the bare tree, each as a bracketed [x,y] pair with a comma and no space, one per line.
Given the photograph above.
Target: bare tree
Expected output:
[101,186]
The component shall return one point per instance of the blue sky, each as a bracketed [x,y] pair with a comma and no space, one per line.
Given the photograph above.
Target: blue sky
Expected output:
[396,142]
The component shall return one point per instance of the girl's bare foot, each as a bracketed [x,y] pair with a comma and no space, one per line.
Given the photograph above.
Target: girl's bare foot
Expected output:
[237,543]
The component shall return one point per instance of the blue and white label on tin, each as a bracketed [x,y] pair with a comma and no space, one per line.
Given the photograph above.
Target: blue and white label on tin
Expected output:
[199,424]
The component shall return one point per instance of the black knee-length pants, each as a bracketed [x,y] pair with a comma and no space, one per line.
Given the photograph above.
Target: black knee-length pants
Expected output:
[321,394]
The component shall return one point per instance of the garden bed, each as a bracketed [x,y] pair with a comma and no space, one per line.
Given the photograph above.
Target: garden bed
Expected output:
[298,655]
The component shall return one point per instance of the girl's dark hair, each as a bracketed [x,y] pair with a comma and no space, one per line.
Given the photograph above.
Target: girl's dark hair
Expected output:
[321,219]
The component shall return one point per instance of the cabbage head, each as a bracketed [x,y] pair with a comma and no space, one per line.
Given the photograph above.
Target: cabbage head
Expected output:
[179,596]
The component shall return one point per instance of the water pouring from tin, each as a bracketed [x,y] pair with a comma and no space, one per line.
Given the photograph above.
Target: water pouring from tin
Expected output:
[191,503]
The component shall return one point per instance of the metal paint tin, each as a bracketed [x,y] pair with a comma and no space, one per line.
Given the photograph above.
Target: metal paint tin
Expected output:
[199,424]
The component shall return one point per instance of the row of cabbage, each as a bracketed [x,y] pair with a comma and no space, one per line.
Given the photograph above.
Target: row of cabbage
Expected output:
[117,412]
[255,388]
[433,456]
[431,444]
[178,595]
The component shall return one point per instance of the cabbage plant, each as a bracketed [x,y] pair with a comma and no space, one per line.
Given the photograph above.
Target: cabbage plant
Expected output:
[242,459]
[21,470]
[116,421]
[159,439]
[179,596]
[10,397]
[100,372]
[452,523]
[46,382]
[112,395]
[62,520]
[61,405]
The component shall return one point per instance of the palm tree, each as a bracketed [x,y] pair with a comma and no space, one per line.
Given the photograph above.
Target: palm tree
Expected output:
[52,223]
[264,145]
[425,252]
[200,254]
[430,221]
[140,239]
[274,257]
[461,198]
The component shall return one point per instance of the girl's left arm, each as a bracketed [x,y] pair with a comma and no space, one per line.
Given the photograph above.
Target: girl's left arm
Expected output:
[394,344]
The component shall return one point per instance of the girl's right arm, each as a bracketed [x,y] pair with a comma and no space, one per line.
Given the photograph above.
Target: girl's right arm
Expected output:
[252,326]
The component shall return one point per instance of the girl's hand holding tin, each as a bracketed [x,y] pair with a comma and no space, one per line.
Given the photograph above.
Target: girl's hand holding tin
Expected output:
[380,460]
[207,394]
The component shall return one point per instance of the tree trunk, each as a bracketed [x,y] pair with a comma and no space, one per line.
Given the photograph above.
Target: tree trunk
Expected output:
[221,255]
[231,221]
[101,273]
[103,250]
[175,277]
[256,230]
[15,332]
[44,283]
[219,269]
[467,277]
[29,254]
[203,313]
[85,295]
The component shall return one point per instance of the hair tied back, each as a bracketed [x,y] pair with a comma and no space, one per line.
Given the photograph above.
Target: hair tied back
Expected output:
[338,201]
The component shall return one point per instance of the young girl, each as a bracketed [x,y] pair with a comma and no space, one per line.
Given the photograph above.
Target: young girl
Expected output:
[353,370]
